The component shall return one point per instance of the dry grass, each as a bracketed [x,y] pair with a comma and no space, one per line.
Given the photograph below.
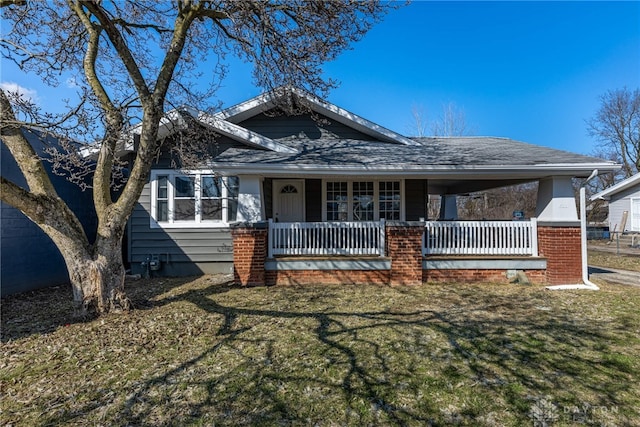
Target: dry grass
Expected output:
[612,260]
[203,352]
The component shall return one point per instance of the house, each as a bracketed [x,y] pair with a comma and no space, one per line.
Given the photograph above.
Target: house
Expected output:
[28,257]
[328,196]
[624,205]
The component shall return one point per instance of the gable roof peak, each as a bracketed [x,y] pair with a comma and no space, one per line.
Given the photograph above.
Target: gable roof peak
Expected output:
[269,100]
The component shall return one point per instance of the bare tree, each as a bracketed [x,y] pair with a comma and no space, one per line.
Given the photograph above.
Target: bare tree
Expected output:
[132,60]
[452,122]
[616,127]
[499,203]
[419,123]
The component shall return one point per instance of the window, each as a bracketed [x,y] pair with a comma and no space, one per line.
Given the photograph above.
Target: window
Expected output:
[389,197]
[289,189]
[337,206]
[184,205]
[162,198]
[193,199]
[363,200]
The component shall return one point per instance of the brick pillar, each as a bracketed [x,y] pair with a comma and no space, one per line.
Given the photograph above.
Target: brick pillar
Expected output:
[404,247]
[561,246]
[249,253]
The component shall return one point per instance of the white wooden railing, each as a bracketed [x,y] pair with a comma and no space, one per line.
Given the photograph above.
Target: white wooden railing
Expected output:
[481,238]
[326,238]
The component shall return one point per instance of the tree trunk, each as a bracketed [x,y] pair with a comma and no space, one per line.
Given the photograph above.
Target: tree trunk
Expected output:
[97,278]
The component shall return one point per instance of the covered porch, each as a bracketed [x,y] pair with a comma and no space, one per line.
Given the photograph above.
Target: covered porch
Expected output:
[546,248]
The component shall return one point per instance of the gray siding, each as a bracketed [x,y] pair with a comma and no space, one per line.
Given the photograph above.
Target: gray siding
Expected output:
[313,199]
[415,199]
[618,204]
[267,191]
[181,251]
[279,127]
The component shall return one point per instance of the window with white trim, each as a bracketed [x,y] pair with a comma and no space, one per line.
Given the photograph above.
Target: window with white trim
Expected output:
[337,207]
[362,200]
[389,199]
[193,199]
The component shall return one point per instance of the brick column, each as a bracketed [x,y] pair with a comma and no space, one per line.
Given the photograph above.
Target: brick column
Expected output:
[249,253]
[561,245]
[404,247]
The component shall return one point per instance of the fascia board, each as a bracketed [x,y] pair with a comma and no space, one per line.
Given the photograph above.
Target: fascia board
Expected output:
[170,122]
[353,120]
[621,186]
[243,135]
[434,171]
[246,109]
[173,121]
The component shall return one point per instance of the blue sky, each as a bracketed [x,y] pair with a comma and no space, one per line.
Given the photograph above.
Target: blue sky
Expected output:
[531,71]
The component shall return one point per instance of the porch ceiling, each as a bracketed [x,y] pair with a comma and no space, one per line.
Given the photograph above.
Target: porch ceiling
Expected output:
[453,186]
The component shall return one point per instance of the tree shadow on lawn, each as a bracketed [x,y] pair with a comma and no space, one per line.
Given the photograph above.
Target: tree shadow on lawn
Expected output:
[42,311]
[466,363]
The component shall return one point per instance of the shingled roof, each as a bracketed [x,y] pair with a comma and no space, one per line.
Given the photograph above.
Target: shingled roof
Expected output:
[433,156]
[377,151]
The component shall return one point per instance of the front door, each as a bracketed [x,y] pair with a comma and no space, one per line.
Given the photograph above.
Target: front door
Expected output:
[635,214]
[288,200]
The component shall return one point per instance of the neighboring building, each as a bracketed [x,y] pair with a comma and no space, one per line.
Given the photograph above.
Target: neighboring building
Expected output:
[28,258]
[329,195]
[623,197]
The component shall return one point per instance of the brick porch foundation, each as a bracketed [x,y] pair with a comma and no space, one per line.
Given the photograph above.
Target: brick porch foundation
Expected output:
[328,277]
[249,253]
[478,276]
[404,247]
[559,245]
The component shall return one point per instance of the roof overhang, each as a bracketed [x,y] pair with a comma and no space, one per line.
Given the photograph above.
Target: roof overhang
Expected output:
[621,186]
[441,179]
[426,171]
[267,101]
[240,134]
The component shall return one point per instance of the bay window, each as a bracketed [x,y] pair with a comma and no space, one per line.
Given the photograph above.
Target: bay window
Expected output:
[193,199]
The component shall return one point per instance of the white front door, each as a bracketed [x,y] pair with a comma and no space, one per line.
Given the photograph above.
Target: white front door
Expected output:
[288,200]
[635,215]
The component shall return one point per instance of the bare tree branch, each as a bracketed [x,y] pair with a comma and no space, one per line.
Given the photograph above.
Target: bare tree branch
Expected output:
[131,60]
[616,127]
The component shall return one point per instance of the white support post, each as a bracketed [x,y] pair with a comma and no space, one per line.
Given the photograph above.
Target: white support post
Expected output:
[534,237]
[381,241]
[556,200]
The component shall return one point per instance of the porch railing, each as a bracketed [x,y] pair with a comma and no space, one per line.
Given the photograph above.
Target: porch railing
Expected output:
[481,238]
[326,238]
